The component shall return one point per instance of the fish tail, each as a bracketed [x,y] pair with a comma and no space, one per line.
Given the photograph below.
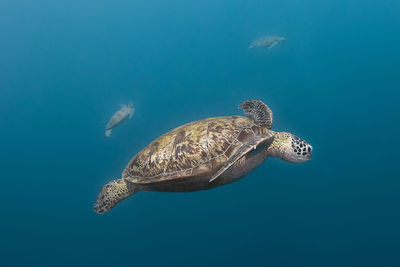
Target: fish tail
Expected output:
[107,133]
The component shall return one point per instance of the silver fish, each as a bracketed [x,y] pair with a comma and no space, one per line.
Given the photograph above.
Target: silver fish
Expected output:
[126,111]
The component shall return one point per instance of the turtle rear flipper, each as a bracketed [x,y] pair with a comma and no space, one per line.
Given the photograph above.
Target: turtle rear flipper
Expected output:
[258,111]
[264,141]
[112,193]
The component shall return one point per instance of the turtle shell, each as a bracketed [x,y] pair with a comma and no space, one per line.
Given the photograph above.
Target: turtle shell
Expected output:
[192,149]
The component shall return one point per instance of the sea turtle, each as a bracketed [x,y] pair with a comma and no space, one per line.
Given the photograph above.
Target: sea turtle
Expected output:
[205,154]
[121,115]
[267,41]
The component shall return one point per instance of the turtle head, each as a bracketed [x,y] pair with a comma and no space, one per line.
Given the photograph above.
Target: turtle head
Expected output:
[291,148]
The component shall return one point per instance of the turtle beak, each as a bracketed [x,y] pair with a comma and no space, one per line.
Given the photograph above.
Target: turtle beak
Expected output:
[309,154]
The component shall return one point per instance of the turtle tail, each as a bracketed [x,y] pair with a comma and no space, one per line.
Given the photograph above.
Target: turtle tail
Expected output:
[112,193]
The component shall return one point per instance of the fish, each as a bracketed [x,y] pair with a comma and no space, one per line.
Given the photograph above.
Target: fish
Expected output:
[126,111]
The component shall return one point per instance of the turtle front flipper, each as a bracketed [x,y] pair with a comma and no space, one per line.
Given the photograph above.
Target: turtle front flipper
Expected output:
[263,140]
[258,111]
[112,193]
[273,44]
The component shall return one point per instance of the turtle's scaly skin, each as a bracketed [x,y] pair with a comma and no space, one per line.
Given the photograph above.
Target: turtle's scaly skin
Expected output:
[196,149]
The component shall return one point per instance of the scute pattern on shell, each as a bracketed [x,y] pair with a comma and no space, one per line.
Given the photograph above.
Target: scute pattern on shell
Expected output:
[191,149]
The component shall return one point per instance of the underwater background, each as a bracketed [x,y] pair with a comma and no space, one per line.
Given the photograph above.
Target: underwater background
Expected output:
[65,66]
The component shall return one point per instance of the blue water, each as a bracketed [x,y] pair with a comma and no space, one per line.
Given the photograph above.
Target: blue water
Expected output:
[65,66]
